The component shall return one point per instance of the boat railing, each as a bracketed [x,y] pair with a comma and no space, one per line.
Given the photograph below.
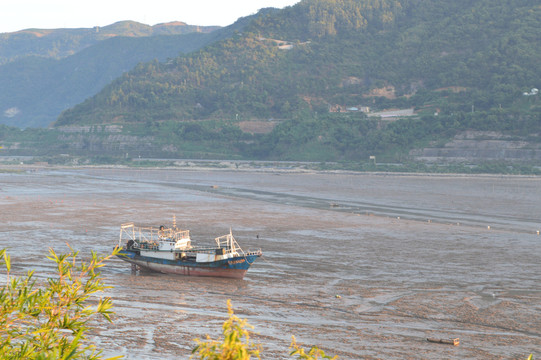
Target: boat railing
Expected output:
[200,249]
[148,238]
[257,252]
[148,246]
[150,235]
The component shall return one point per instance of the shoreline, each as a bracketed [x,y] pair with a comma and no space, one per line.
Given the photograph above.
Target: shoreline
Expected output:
[194,165]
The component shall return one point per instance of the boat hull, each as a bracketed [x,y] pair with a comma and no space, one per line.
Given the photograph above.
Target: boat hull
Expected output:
[234,268]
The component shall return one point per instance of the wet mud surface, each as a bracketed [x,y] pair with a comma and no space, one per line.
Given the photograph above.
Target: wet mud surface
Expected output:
[366,266]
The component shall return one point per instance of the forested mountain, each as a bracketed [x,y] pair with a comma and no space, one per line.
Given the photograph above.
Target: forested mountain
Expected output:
[323,54]
[48,71]
[307,83]
[59,43]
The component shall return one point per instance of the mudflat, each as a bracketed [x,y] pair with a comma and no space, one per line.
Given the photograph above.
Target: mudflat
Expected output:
[366,266]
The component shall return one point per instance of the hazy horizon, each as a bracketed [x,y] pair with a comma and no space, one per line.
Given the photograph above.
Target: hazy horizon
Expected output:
[17,15]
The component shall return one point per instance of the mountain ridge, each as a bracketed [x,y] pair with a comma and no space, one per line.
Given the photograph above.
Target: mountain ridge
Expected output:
[62,42]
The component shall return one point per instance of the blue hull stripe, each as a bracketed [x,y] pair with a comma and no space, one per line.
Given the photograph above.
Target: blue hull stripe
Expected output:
[236,263]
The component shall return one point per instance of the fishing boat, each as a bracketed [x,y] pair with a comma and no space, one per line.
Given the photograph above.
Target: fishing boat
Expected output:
[170,250]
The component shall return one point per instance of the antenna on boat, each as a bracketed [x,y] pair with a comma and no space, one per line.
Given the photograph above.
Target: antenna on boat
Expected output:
[174,221]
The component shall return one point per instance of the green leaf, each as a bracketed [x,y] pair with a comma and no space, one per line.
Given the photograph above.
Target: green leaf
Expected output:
[7,260]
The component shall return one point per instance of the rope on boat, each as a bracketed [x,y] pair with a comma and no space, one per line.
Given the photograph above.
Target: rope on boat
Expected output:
[275,267]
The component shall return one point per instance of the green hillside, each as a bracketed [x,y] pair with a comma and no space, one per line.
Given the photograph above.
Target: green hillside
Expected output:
[36,89]
[321,53]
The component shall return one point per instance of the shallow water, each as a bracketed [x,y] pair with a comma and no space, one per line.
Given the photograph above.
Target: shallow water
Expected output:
[363,265]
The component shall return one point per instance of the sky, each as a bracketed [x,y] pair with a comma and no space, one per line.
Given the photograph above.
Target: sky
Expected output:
[52,14]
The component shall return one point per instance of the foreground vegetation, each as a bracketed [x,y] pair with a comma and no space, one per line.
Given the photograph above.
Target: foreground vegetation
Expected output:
[50,321]
[236,344]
